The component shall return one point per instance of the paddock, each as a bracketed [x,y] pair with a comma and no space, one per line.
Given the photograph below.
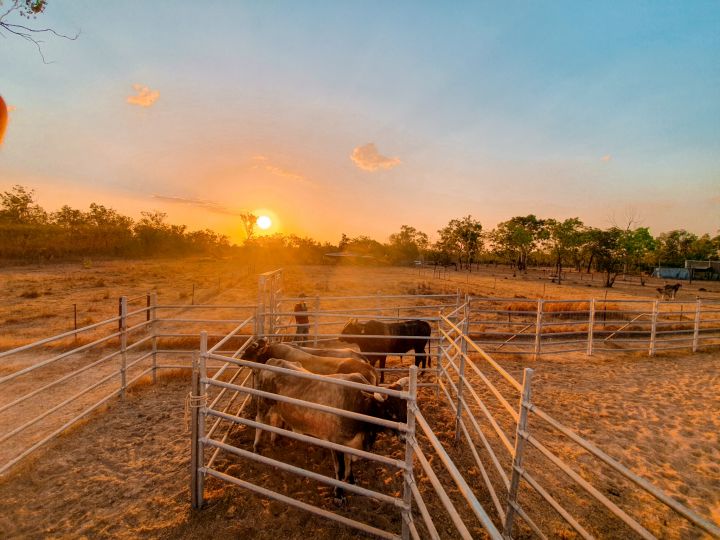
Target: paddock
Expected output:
[479,394]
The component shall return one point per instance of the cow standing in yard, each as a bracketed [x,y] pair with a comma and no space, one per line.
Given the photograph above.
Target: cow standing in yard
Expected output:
[388,341]
[326,426]
[331,352]
[669,291]
[261,351]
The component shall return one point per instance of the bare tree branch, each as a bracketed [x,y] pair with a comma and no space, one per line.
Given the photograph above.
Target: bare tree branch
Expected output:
[27,33]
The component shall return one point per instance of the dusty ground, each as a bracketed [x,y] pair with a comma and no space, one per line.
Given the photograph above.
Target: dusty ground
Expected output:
[125,472]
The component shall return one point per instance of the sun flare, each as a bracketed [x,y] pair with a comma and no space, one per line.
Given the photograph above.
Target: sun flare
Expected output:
[264,222]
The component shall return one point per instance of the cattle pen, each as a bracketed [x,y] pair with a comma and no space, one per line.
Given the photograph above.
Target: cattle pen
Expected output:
[493,410]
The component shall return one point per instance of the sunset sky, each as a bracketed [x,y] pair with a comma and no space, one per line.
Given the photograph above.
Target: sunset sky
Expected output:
[358,117]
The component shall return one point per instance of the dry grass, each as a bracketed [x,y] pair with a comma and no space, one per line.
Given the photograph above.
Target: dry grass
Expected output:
[134,481]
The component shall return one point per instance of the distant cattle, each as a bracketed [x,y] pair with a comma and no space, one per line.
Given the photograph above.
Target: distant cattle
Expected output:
[388,342]
[261,351]
[327,426]
[669,290]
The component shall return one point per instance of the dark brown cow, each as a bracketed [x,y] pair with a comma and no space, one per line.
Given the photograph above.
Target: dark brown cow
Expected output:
[326,426]
[261,351]
[669,290]
[355,332]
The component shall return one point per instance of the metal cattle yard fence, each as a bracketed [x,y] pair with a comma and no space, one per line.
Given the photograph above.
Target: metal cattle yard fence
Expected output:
[57,381]
[536,327]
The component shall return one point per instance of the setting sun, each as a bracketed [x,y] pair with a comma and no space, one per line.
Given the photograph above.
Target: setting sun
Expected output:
[264,222]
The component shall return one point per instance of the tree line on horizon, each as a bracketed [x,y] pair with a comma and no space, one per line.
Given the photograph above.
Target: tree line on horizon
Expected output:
[29,233]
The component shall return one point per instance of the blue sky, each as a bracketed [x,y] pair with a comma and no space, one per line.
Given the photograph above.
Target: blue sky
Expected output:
[601,111]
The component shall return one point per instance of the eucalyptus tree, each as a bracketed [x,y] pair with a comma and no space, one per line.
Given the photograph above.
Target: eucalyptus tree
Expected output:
[407,245]
[461,239]
[563,239]
[517,237]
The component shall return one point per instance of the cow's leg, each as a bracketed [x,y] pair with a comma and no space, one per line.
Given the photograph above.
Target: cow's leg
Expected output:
[349,477]
[260,418]
[274,421]
[339,464]
[420,356]
[382,366]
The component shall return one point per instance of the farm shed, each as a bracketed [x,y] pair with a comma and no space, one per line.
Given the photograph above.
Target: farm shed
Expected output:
[666,272]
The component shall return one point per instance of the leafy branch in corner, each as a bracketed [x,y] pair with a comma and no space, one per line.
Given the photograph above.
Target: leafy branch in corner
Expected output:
[29,9]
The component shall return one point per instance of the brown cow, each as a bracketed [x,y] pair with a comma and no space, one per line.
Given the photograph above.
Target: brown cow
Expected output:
[327,426]
[335,353]
[261,351]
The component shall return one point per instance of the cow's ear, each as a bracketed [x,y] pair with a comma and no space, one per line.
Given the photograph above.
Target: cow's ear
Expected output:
[400,383]
[377,396]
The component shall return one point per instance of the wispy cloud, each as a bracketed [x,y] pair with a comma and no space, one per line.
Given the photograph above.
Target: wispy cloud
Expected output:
[606,158]
[263,162]
[144,97]
[368,158]
[210,206]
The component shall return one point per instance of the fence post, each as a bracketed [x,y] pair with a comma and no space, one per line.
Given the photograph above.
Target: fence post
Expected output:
[261,303]
[316,324]
[152,317]
[408,476]
[521,435]
[653,330]
[194,391]
[538,327]
[696,330]
[461,376]
[438,363]
[122,324]
[201,406]
[461,383]
[591,327]
[258,327]
[271,306]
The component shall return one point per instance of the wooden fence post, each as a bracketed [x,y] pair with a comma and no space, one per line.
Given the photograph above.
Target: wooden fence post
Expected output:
[122,324]
[408,476]
[591,327]
[696,329]
[521,435]
[653,329]
[538,327]
[152,317]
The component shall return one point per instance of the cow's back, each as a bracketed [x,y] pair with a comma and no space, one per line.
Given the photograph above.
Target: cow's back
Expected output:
[327,426]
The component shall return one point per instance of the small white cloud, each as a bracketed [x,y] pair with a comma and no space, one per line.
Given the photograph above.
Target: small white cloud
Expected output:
[368,158]
[145,97]
[606,158]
